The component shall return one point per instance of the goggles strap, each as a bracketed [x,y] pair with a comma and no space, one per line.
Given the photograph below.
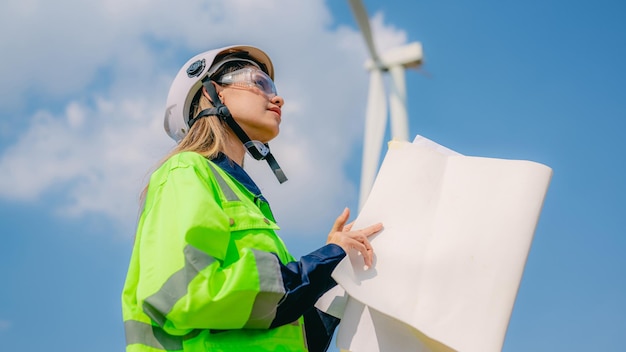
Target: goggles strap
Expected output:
[262,152]
[204,113]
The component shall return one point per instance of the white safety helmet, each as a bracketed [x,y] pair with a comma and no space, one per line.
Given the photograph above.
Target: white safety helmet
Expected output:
[189,80]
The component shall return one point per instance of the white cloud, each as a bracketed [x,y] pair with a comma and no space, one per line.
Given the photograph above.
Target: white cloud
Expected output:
[386,36]
[99,154]
[110,62]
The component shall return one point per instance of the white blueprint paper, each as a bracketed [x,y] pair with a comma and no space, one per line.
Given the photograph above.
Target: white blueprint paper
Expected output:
[457,231]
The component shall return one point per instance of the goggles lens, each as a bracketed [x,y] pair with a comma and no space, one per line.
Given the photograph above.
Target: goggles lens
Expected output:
[250,77]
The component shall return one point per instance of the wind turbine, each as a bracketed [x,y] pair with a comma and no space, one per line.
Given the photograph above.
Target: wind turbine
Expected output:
[394,62]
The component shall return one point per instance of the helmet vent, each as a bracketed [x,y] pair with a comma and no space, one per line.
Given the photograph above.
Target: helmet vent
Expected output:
[196,68]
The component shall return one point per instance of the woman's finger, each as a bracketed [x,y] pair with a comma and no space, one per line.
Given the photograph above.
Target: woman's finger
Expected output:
[363,249]
[341,220]
[368,245]
[372,229]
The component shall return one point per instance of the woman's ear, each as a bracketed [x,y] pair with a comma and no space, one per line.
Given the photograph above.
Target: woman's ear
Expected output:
[218,89]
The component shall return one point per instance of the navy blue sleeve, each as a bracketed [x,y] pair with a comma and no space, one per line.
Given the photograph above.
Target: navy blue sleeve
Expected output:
[306,281]
[319,328]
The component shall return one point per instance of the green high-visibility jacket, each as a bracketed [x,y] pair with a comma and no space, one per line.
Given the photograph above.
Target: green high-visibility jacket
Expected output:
[204,272]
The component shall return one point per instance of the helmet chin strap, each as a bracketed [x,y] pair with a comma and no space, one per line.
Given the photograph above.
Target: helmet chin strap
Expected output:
[258,150]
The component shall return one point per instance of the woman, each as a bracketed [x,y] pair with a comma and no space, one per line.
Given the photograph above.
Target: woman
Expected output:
[208,272]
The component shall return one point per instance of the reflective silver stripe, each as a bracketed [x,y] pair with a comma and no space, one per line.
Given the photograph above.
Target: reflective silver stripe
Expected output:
[226,190]
[152,336]
[271,288]
[161,303]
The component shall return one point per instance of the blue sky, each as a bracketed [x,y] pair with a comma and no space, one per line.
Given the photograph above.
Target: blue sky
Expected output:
[81,126]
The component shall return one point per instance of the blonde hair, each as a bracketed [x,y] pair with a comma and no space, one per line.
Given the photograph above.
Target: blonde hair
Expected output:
[206,137]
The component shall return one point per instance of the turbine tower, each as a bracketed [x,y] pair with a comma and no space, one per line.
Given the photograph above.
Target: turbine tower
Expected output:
[394,62]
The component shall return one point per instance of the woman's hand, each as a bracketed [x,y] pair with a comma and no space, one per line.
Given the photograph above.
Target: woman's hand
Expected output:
[342,236]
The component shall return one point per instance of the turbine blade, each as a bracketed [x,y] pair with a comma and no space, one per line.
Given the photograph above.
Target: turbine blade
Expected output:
[364,24]
[375,120]
[397,104]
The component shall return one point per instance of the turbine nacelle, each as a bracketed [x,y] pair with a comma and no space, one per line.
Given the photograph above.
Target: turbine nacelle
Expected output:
[407,56]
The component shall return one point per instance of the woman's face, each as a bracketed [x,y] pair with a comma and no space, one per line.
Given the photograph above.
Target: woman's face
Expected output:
[257,113]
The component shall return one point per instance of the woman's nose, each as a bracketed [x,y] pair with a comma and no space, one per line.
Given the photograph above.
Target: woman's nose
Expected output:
[278,100]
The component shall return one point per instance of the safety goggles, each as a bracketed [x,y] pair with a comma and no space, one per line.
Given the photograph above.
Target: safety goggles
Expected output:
[250,77]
